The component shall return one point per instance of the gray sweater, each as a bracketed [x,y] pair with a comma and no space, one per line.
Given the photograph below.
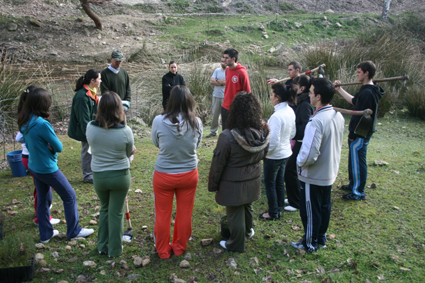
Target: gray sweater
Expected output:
[110,148]
[177,149]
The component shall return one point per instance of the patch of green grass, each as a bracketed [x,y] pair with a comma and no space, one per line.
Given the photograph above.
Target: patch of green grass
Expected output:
[382,236]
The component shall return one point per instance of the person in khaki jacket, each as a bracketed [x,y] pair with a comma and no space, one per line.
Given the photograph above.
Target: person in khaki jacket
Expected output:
[235,173]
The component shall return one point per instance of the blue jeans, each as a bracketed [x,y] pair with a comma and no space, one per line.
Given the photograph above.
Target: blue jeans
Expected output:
[357,166]
[315,212]
[274,174]
[60,184]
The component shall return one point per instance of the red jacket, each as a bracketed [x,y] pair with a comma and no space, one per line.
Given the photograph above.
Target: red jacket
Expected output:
[237,80]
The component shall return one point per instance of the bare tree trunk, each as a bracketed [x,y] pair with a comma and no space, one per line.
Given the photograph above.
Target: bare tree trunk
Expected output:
[386,9]
[91,14]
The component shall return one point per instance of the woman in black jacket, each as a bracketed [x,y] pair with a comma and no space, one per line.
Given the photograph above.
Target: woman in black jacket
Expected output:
[170,80]
[303,111]
[235,173]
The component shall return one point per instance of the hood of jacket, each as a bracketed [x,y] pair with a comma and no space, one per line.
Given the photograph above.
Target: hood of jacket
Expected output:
[238,67]
[177,129]
[252,140]
[376,90]
[302,96]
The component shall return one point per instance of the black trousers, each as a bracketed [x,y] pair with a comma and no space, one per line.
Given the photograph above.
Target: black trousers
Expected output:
[224,116]
[291,178]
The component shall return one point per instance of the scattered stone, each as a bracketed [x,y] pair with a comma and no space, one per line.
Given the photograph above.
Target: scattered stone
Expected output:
[146,261]
[35,23]
[72,243]
[68,248]
[138,191]
[63,281]
[38,257]
[258,270]
[162,61]
[325,18]
[298,25]
[395,171]
[217,251]
[396,207]
[42,263]
[15,201]
[39,246]
[95,215]
[184,264]
[81,279]
[237,273]
[12,212]
[329,11]
[89,263]
[271,50]
[102,272]
[268,279]
[381,163]
[53,52]
[232,263]
[331,236]
[137,261]
[373,186]
[122,262]
[133,276]
[55,254]
[394,257]
[296,227]
[78,239]
[12,27]
[265,36]
[57,271]
[73,259]
[321,270]
[338,24]
[404,269]
[93,222]
[206,242]
[82,246]
[254,261]
[61,235]
[43,269]
[144,227]
[188,256]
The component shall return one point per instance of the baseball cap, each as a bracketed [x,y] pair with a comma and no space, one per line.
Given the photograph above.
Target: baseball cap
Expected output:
[117,55]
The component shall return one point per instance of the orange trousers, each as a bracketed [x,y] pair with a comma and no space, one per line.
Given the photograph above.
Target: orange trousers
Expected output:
[165,185]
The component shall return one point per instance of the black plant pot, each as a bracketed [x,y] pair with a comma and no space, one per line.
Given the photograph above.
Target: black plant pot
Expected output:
[18,274]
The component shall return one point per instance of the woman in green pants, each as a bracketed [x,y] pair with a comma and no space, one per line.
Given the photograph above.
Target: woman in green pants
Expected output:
[112,143]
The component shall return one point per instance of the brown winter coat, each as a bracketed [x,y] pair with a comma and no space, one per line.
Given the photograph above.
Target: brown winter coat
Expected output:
[235,171]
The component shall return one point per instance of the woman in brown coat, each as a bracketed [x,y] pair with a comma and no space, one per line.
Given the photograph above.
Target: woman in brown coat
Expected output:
[235,174]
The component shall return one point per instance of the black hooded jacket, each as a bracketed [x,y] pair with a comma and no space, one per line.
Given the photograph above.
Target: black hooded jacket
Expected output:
[367,98]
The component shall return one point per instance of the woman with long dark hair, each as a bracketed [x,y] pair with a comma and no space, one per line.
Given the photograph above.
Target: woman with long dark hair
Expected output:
[235,173]
[43,145]
[282,130]
[170,80]
[177,133]
[83,111]
[25,154]
[303,111]
[112,143]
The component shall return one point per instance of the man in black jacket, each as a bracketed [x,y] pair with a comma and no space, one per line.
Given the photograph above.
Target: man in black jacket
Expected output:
[170,80]
[367,98]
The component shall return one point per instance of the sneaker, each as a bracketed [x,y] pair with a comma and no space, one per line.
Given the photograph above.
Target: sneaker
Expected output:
[290,208]
[351,196]
[252,233]
[346,188]
[286,201]
[84,233]
[319,246]
[223,244]
[53,221]
[90,181]
[211,135]
[55,233]
[298,245]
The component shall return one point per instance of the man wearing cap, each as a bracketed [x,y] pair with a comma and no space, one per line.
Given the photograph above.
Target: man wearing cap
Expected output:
[115,78]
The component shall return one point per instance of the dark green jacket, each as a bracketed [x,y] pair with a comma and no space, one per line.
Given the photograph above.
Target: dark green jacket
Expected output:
[84,108]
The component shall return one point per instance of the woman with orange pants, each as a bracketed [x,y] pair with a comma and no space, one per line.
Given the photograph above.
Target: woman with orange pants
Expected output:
[177,133]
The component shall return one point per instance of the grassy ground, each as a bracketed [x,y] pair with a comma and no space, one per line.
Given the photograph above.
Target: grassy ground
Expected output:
[381,238]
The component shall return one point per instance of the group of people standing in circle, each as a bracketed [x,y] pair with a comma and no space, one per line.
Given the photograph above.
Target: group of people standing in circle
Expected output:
[99,123]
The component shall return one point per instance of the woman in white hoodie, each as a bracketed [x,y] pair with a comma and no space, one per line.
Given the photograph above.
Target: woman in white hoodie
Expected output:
[177,133]
[282,130]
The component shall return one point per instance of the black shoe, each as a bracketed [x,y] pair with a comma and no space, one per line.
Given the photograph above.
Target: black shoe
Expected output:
[90,181]
[352,196]
[212,135]
[269,217]
[346,188]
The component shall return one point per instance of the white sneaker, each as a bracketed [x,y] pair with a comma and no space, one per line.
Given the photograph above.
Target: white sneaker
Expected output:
[55,233]
[53,221]
[85,233]
[286,201]
[252,233]
[223,244]
[290,208]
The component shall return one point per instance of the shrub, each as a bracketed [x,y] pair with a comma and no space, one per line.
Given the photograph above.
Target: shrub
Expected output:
[16,250]
[415,100]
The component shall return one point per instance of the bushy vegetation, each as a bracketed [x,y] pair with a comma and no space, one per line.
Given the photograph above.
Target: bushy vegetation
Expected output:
[16,250]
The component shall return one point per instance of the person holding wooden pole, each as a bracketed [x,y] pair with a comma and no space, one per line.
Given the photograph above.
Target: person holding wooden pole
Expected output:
[294,70]
[367,97]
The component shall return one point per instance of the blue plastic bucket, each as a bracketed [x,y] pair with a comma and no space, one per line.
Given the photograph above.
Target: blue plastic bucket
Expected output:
[15,162]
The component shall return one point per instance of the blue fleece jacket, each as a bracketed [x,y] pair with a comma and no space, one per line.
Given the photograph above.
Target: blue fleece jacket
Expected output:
[38,134]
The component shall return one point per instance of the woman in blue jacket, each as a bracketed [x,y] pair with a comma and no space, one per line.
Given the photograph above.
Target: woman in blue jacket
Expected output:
[43,145]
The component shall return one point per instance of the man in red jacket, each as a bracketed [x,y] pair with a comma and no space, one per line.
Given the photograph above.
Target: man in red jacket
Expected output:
[237,80]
